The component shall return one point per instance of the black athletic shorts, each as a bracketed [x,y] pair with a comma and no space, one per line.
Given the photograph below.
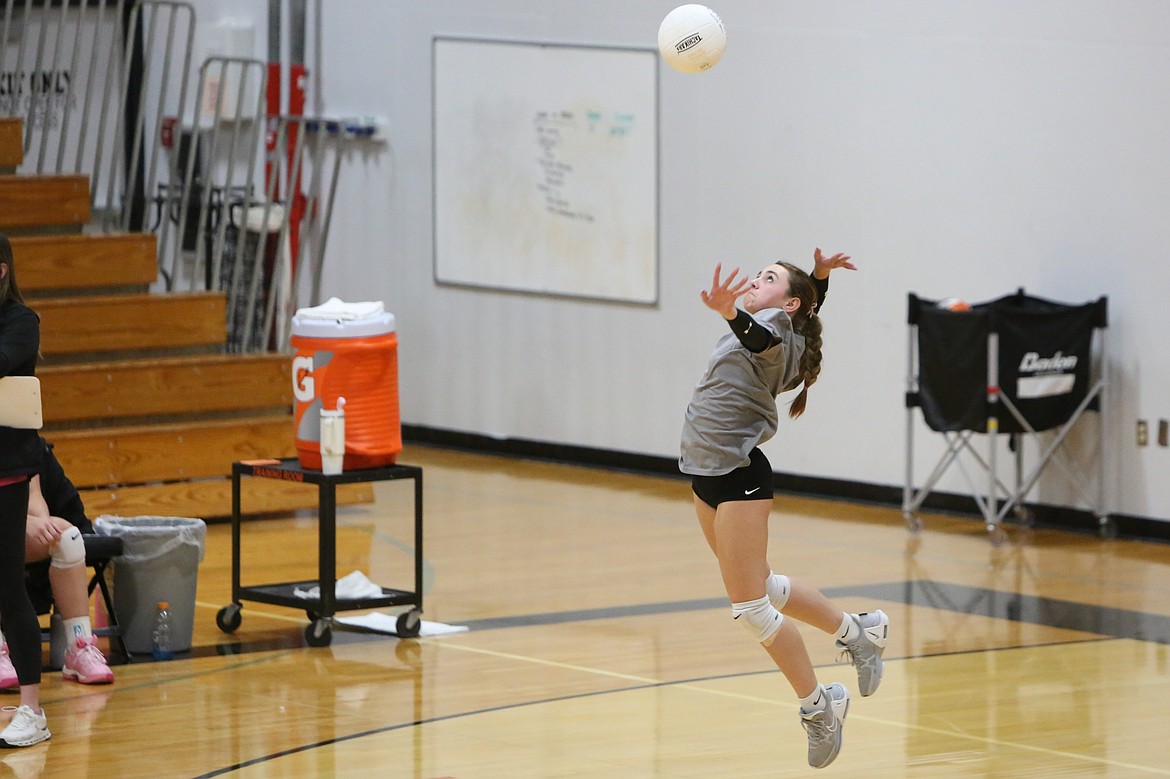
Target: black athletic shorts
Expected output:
[751,482]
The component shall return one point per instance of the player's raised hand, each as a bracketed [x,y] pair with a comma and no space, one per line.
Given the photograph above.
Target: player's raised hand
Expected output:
[826,264]
[723,294]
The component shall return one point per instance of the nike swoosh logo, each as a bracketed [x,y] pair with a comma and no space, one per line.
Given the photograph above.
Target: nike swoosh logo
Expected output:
[749,492]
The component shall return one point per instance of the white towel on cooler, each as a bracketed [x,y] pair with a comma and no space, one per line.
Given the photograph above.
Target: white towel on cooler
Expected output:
[338,310]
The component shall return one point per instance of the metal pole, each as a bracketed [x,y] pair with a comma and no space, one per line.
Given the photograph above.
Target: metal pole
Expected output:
[272,94]
[296,108]
[1104,524]
[992,425]
[908,487]
[46,84]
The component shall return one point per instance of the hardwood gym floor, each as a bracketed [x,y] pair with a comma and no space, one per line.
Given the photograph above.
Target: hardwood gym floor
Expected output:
[600,645]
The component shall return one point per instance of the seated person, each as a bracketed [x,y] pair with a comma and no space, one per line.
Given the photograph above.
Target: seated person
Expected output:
[54,549]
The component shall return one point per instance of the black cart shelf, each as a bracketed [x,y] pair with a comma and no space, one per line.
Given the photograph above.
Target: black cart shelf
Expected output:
[321,610]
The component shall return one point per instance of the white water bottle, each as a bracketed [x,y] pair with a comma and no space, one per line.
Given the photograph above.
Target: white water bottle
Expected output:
[333,438]
[161,638]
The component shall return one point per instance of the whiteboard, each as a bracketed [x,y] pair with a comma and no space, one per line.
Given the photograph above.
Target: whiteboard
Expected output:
[546,168]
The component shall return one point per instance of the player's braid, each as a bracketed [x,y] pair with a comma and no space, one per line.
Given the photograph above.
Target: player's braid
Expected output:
[808,324]
[810,361]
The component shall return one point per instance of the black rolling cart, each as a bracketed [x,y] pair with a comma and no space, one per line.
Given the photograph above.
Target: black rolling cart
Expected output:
[321,610]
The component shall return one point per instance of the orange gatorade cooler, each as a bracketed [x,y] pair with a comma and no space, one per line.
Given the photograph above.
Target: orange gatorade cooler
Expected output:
[349,357]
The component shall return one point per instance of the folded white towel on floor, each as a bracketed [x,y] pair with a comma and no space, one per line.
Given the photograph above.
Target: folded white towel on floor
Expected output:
[388,623]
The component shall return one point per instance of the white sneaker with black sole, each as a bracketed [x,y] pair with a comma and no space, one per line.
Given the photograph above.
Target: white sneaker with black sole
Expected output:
[26,728]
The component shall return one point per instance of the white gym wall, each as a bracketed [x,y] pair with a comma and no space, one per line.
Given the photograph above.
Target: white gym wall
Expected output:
[953,148]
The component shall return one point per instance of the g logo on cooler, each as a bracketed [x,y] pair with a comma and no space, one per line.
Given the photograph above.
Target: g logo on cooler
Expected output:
[304,388]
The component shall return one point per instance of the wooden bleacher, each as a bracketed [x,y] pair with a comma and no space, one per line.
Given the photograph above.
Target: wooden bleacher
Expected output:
[43,201]
[145,412]
[11,144]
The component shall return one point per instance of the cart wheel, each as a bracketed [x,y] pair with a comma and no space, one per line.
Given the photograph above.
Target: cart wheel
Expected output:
[228,618]
[408,624]
[913,522]
[997,535]
[319,633]
[1107,528]
[1025,516]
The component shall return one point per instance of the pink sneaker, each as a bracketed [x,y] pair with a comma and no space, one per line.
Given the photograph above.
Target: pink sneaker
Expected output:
[8,678]
[87,664]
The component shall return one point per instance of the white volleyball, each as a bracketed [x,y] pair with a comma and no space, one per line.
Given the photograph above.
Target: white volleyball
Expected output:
[691,38]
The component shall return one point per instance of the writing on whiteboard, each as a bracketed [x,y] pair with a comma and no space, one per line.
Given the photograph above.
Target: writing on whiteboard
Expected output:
[558,134]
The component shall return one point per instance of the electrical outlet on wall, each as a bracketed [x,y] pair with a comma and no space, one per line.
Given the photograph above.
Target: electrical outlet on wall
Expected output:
[1143,432]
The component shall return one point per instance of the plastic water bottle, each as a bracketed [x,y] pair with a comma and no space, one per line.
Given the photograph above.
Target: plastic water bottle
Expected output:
[161,640]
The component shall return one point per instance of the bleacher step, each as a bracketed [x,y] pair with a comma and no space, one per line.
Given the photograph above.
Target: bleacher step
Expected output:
[198,449]
[195,384]
[63,262]
[121,323]
[41,201]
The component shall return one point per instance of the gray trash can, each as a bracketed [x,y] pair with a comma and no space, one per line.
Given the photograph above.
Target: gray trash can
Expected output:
[160,561]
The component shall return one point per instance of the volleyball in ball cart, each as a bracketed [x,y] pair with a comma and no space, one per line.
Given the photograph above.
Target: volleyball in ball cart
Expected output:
[954,304]
[691,38]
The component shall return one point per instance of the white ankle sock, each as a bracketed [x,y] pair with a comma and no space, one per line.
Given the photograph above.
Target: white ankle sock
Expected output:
[817,699]
[849,629]
[75,628]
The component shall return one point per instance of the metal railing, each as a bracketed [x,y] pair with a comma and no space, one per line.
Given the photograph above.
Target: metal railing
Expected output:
[240,201]
[81,73]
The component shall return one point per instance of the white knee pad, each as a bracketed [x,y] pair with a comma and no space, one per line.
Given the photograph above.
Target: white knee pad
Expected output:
[759,618]
[69,551]
[779,588]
